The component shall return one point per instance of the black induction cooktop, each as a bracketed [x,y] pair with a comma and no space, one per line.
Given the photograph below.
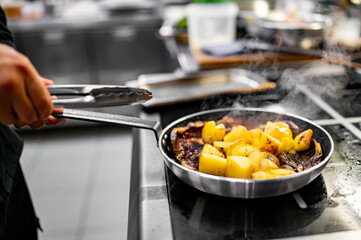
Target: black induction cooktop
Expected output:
[329,205]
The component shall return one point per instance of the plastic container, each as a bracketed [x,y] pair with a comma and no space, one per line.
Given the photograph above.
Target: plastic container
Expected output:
[211,23]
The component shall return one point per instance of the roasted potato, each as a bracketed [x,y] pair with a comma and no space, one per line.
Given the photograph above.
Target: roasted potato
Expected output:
[288,144]
[280,172]
[265,142]
[212,161]
[303,140]
[270,144]
[262,175]
[212,132]
[239,167]
[272,173]
[237,133]
[256,137]
[241,149]
[212,164]
[221,145]
[270,156]
[266,164]
[278,130]
[210,149]
[256,157]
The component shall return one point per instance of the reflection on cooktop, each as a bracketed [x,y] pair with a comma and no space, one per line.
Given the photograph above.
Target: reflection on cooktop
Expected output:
[198,215]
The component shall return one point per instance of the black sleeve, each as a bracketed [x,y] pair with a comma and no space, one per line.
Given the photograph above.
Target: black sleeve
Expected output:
[10,143]
[5,34]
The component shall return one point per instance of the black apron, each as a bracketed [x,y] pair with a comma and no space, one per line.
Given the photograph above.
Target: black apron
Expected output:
[17,216]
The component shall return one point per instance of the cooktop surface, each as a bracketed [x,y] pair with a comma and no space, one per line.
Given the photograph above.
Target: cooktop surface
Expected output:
[329,204]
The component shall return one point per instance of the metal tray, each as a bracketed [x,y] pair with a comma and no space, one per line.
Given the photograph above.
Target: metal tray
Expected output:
[170,88]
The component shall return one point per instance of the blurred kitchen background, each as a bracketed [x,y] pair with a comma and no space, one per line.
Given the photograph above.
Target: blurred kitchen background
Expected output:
[79,173]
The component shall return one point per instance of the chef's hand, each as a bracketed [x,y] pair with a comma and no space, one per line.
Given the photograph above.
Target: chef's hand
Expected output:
[24,98]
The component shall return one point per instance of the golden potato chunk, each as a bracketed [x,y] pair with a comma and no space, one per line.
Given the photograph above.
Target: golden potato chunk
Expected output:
[303,140]
[270,156]
[280,172]
[238,132]
[212,164]
[270,144]
[262,175]
[288,144]
[256,157]
[278,130]
[241,149]
[239,167]
[265,142]
[210,149]
[222,145]
[256,137]
[255,134]
[266,164]
[212,132]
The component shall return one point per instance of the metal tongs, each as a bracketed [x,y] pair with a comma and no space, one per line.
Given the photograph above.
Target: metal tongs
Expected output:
[97,95]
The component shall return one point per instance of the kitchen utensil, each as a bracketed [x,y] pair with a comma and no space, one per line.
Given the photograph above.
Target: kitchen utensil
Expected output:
[97,95]
[223,186]
[170,88]
[305,30]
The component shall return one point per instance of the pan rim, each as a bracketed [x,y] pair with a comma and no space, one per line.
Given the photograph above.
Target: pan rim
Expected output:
[239,180]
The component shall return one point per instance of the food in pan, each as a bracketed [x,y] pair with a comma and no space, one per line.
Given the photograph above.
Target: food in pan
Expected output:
[227,148]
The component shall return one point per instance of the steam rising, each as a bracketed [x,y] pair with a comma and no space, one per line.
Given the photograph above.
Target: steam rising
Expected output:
[321,77]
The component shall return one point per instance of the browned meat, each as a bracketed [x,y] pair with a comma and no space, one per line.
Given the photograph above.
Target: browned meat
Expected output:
[197,124]
[230,122]
[316,158]
[187,145]
[186,132]
[187,151]
[303,160]
[292,160]
[288,167]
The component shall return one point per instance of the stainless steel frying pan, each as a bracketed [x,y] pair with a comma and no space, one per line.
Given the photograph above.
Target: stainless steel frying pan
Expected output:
[223,186]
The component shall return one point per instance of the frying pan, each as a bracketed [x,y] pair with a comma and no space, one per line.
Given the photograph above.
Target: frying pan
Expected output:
[223,186]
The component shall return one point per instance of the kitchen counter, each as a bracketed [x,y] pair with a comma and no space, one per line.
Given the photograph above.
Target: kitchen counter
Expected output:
[163,207]
[105,19]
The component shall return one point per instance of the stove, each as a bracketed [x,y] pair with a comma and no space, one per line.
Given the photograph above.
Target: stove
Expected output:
[329,207]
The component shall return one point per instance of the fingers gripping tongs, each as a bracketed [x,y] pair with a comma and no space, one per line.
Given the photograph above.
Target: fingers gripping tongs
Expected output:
[101,96]
[96,95]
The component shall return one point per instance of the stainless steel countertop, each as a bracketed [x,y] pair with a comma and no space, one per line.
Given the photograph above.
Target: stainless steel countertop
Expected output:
[149,216]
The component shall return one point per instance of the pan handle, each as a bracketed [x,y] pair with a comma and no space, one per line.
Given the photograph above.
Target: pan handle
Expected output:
[111,118]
